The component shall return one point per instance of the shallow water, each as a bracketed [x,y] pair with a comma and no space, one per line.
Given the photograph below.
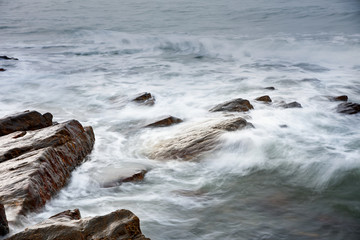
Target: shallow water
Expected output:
[86,59]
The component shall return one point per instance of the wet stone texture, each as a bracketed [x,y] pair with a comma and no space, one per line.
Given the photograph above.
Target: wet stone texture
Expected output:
[118,225]
[36,164]
[348,108]
[165,121]
[235,105]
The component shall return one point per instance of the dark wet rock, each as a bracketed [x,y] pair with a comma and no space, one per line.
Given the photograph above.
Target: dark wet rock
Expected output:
[265,98]
[191,142]
[2,69]
[164,122]
[348,108]
[283,126]
[342,98]
[69,214]
[144,98]
[118,225]
[8,58]
[36,164]
[269,88]
[291,105]
[126,175]
[24,121]
[4,227]
[235,105]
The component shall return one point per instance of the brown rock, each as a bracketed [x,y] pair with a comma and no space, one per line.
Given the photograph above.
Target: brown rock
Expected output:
[35,166]
[342,98]
[236,105]
[348,108]
[145,98]
[269,88]
[4,228]
[68,214]
[164,122]
[118,225]
[265,98]
[2,69]
[8,58]
[24,121]
[191,143]
[120,176]
[291,105]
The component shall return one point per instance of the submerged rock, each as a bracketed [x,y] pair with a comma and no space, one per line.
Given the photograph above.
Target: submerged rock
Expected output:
[118,225]
[291,105]
[24,121]
[235,105]
[35,164]
[118,176]
[4,227]
[144,98]
[8,58]
[342,98]
[348,108]
[265,98]
[164,122]
[2,69]
[191,142]
[269,88]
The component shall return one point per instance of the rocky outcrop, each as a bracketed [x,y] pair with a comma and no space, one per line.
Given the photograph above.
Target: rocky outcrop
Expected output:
[265,98]
[291,105]
[164,122]
[36,164]
[235,105]
[8,58]
[144,98]
[190,143]
[4,227]
[24,121]
[118,225]
[348,108]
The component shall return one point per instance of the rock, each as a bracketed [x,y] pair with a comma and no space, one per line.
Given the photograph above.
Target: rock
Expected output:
[68,214]
[24,121]
[236,105]
[145,98]
[164,122]
[2,69]
[291,105]
[191,143]
[118,225]
[348,108]
[36,165]
[8,58]
[269,88]
[4,228]
[265,98]
[342,98]
[120,176]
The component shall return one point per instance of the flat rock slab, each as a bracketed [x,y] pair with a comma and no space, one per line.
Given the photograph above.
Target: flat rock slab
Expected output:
[34,165]
[28,120]
[165,121]
[235,105]
[348,108]
[190,143]
[118,225]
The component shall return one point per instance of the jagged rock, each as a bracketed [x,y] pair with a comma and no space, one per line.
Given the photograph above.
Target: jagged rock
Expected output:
[34,165]
[144,98]
[269,88]
[8,58]
[4,228]
[235,105]
[164,122]
[342,98]
[2,69]
[348,108]
[118,225]
[24,121]
[291,105]
[265,98]
[116,177]
[68,214]
[191,143]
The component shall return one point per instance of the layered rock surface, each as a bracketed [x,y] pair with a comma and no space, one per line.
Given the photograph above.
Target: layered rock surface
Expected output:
[193,141]
[118,225]
[36,164]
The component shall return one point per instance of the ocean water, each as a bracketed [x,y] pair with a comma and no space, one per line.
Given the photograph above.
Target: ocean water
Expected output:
[85,60]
